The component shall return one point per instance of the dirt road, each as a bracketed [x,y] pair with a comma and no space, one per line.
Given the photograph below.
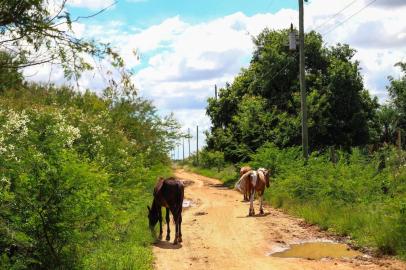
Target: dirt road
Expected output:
[217,234]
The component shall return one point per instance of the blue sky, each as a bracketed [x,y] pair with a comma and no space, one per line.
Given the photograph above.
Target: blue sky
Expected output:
[143,13]
[188,46]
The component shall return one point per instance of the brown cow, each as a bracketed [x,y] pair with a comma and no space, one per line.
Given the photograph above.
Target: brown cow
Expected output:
[168,193]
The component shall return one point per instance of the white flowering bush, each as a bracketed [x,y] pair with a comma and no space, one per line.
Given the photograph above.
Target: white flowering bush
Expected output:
[13,129]
[75,171]
[69,134]
[14,123]
[46,186]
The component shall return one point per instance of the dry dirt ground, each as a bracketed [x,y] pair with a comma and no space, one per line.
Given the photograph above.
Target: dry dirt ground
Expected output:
[217,234]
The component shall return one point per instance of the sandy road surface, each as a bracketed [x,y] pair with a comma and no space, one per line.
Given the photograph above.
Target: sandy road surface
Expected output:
[217,234]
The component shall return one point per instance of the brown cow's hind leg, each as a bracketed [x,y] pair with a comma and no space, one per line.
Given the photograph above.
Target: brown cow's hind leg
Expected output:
[175,242]
[180,228]
[168,230]
[176,218]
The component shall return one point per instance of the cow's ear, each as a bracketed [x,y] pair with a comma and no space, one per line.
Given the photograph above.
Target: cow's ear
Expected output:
[149,209]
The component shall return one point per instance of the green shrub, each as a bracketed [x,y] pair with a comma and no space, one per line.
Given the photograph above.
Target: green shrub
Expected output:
[361,195]
[76,172]
[212,159]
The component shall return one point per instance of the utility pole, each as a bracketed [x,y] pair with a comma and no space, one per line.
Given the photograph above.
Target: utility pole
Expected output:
[188,138]
[197,145]
[215,91]
[183,148]
[305,138]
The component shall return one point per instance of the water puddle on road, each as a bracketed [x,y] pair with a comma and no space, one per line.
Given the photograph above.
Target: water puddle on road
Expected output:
[187,203]
[317,250]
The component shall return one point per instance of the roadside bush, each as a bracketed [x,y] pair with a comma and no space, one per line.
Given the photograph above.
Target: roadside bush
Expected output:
[360,195]
[212,159]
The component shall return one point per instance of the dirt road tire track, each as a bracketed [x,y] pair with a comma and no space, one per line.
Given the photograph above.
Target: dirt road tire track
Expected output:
[217,234]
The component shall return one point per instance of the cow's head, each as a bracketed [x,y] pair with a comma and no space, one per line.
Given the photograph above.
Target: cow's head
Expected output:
[152,217]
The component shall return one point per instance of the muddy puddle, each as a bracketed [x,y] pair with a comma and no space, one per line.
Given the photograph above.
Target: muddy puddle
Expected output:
[317,250]
[187,203]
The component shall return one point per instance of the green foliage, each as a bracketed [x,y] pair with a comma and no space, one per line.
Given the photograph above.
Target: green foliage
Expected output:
[9,75]
[388,119]
[212,159]
[397,93]
[75,176]
[263,104]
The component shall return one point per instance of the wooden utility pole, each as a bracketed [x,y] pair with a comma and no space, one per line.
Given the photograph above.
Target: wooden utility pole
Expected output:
[188,138]
[197,145]
[305,138]
[215,91]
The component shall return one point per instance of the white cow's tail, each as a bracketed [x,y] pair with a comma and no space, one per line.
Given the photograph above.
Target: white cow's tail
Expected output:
[241,183]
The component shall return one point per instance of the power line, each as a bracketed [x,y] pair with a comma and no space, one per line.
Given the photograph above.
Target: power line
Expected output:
[270,4]
[334,16]
[281,70]
[276,74]
[346,20]
[284,68]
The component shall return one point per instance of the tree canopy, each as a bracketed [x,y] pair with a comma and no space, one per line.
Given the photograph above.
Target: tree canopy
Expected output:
[263,102]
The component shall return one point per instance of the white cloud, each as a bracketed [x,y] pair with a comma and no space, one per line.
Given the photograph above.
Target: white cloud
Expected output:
[200,55]
[377,33]
[90,4]
[195,57]
[188,59]
[390,3]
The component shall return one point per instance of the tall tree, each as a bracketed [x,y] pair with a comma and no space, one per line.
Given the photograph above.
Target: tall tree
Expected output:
[340,109]
[10,77]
